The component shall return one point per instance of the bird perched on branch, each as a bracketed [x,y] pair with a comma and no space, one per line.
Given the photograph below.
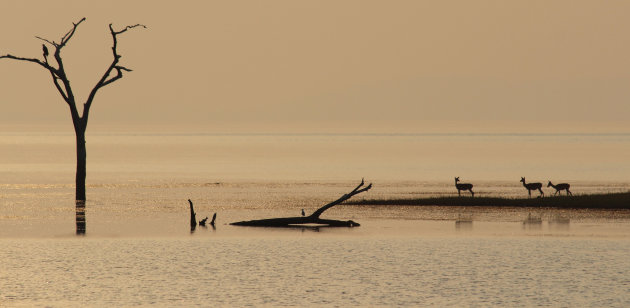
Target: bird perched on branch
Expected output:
[45,50]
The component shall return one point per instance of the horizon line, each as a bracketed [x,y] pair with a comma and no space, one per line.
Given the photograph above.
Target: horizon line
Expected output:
[342,134]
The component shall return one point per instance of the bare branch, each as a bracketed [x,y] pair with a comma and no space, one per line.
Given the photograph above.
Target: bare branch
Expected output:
[70,33]
[45,65]
[59,89]
[69,94]
[47,41]
[104,81]
[118,76]
[58,74]
[126,28]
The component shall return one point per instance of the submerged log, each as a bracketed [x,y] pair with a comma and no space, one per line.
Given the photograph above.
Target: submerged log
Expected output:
[311,219]
[295,221]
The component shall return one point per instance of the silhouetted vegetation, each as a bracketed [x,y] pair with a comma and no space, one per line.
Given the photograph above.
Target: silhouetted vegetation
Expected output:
[595,201]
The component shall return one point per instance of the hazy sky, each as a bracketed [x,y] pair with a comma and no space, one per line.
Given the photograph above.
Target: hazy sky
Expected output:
[329,66]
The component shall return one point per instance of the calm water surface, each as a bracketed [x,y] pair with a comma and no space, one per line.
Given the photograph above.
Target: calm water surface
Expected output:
[139,250]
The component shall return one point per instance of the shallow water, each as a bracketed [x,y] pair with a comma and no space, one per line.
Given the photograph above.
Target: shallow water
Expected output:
[306,270]
[139,249]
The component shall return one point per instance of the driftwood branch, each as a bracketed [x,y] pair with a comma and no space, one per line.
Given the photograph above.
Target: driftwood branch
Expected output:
[311,219]
[357,190]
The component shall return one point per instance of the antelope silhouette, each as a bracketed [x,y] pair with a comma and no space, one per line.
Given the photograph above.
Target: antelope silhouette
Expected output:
[559,187]
[463,186]
[532,186]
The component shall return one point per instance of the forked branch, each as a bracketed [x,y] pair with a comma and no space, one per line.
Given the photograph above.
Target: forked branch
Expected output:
[70,33]
[106,79]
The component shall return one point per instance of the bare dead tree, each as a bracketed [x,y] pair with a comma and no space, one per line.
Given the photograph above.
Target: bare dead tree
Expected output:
[57,71]
[311,219]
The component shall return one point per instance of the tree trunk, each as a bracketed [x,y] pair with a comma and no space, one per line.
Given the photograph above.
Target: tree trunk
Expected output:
[81,163]
[80,180]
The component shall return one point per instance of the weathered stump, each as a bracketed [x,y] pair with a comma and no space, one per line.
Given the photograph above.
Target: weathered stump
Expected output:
[193,218]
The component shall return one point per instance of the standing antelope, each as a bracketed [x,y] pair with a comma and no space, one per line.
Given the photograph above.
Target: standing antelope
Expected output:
[532,186]
[559,187]
[463,186]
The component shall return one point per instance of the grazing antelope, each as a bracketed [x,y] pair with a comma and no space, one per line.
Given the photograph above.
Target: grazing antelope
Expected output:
[559,187]
[463,186]
[532,186]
